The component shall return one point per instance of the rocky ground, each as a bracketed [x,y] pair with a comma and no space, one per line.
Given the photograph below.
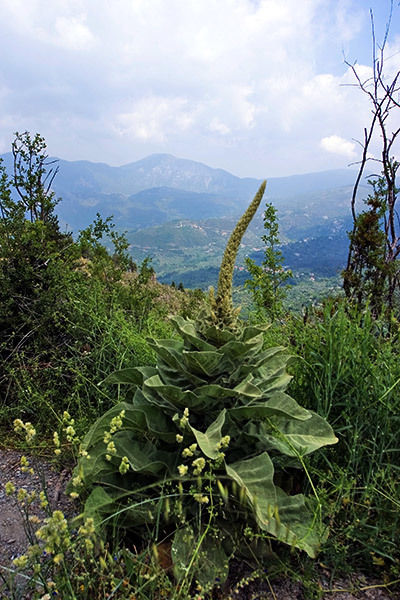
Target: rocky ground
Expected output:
[12,533]
[13,539]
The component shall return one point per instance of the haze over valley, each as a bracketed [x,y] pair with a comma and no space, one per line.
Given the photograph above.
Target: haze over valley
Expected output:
[181,212]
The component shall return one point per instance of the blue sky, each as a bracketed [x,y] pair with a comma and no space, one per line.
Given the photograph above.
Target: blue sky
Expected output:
[257,87]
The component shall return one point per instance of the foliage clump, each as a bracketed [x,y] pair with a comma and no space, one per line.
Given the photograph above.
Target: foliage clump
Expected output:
[208,443]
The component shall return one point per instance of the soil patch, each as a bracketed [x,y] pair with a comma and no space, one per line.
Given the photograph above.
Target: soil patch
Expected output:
[13,539]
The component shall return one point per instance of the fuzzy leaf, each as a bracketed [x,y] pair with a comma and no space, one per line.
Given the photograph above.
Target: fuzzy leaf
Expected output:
[208,441]
[298,438]
[252,331]
[256,476]
[203,363]
[274,359]
[131,375]
[210,560]
[137,418]
[247,389]
[294,524]
[145,458]
[285,517]
[279,404]
[188,331]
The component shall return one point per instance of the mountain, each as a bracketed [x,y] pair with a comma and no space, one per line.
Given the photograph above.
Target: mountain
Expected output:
[181,212]
[161,187]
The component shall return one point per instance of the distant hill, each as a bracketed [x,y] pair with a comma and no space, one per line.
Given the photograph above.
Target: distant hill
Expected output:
[161,188]
[181,212]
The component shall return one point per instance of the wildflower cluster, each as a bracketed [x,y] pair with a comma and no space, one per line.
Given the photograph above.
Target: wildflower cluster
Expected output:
[69,428]
[182,470]
[23,497]
[25,468]
[116,424]
[198,465]
[77,482]
[111,449]
[87,531]
[185,419]
[124,466]
[55,535]
[188,452]
[43,499]
[201,499]
[10,488]
[57,443]
[26,498]
[28,428]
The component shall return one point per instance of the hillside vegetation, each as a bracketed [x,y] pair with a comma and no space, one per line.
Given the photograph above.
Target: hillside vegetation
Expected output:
[209,451]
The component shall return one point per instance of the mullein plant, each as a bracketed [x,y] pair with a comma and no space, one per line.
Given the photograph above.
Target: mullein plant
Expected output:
[204,447]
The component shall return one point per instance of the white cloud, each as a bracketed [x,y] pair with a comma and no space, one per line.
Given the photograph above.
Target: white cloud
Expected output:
[219,127]
[239,84]
[72,33]
[338,145]
[154,118]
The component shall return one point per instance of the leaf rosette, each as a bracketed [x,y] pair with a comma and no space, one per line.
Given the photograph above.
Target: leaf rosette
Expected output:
[212,423]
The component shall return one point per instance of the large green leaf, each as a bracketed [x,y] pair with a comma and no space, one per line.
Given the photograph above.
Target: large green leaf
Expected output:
[209,441]
[252,331]
[285,517]
[188,331]
[294,524]
[248,390]
[274,360]
[204,363]
[131,375]
[170,353]
[98,505]
[214,391]
[298,438]
[112,509]
[137,418]
[170,376]
[279,404]
[218,336]
[145,457]
[238,349]
[203,554]
[256,476]
[202,398]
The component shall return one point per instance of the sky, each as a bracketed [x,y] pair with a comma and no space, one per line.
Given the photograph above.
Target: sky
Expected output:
[256,87]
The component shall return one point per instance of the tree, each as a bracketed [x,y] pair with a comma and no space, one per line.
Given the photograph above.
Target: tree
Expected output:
[30,239]
[373,269]
[33,178]
[267,285]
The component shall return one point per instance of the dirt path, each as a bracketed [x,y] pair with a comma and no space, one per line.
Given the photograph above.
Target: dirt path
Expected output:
[13,540]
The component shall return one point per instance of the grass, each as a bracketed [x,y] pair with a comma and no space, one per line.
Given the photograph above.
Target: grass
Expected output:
[349,371]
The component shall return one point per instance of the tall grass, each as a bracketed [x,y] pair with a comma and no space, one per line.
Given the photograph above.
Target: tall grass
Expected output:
[99,328]
[349,372]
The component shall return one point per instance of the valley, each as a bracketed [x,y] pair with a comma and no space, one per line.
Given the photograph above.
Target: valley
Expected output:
[180,213]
